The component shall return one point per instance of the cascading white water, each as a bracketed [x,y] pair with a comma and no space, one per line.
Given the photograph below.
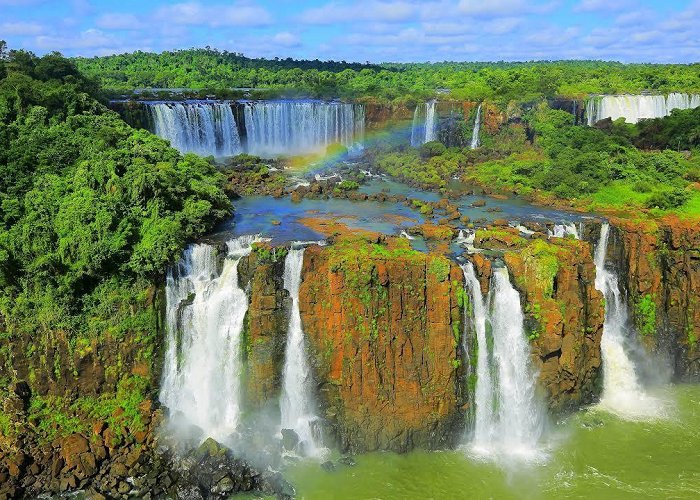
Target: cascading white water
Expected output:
[205,128]
[297,399]
[424,128]
[484,424]
[564,230]
[477,129]
[509,416]
[430,121]
[636,107]
[204,324]
[622,391]
[299,127]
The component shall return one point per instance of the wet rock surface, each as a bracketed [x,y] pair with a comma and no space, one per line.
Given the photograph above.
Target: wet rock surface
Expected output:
[144,465]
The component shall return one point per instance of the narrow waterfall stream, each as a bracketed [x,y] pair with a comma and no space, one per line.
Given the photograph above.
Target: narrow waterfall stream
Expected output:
[477,129]
[297,400]
[622,392]
[509,418]
[484,397]
[205,313]
[430,121]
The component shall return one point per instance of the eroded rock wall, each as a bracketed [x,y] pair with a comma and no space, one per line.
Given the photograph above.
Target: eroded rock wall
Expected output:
[659,265]
[383,326]
[262,273]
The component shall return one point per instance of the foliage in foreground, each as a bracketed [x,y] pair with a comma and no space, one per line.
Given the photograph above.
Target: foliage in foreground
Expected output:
[92,213]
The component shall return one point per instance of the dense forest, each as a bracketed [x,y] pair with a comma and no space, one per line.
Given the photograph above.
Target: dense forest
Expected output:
[92,212]
[501,81]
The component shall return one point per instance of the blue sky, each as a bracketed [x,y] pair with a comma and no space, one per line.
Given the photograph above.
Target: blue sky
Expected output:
[365,30]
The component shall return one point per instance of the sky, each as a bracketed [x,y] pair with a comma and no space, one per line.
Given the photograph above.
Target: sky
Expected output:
[364,30]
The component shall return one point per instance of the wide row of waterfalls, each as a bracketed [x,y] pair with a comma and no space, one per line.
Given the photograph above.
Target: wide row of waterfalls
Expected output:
[296,127]
[263,128]
[203,367]
[637,107]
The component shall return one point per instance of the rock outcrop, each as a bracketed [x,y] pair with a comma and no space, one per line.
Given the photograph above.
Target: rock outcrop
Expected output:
[266,322]
[384,325]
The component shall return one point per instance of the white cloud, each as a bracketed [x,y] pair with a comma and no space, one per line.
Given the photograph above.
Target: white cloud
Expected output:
[286,39]
[21,29]
[504,8]
[396,11]
[502,26]
[88,39]
[601,5]
[195,13]
[116,21]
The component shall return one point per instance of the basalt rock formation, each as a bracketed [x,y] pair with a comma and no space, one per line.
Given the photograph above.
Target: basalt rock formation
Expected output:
[266,322]
[383,324]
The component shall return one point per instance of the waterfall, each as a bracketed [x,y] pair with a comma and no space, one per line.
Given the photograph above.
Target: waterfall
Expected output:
[300,127]
[205,310]
[477,128]
[637,107]
[424,128]
[430,121]
[484,425]
[509,417]
[205,128]
[622,392]
[297,400]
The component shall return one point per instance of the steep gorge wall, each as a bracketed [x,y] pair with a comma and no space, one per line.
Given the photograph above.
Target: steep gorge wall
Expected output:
[659,264]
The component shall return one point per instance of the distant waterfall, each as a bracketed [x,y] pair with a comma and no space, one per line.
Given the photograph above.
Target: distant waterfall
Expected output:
[297,400]
[636,107]
[509,417]
[424,128]
[205,128]
[205,311]
[622,392]
[477,128]
[298,127]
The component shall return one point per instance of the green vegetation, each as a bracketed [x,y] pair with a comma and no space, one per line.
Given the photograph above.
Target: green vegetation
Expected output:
[601,167]
[646,315]
[92,214]
[502,81]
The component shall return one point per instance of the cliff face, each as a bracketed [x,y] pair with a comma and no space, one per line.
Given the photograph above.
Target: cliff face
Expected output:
[564,312]
[383,326]
[659,265]
[266,322]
